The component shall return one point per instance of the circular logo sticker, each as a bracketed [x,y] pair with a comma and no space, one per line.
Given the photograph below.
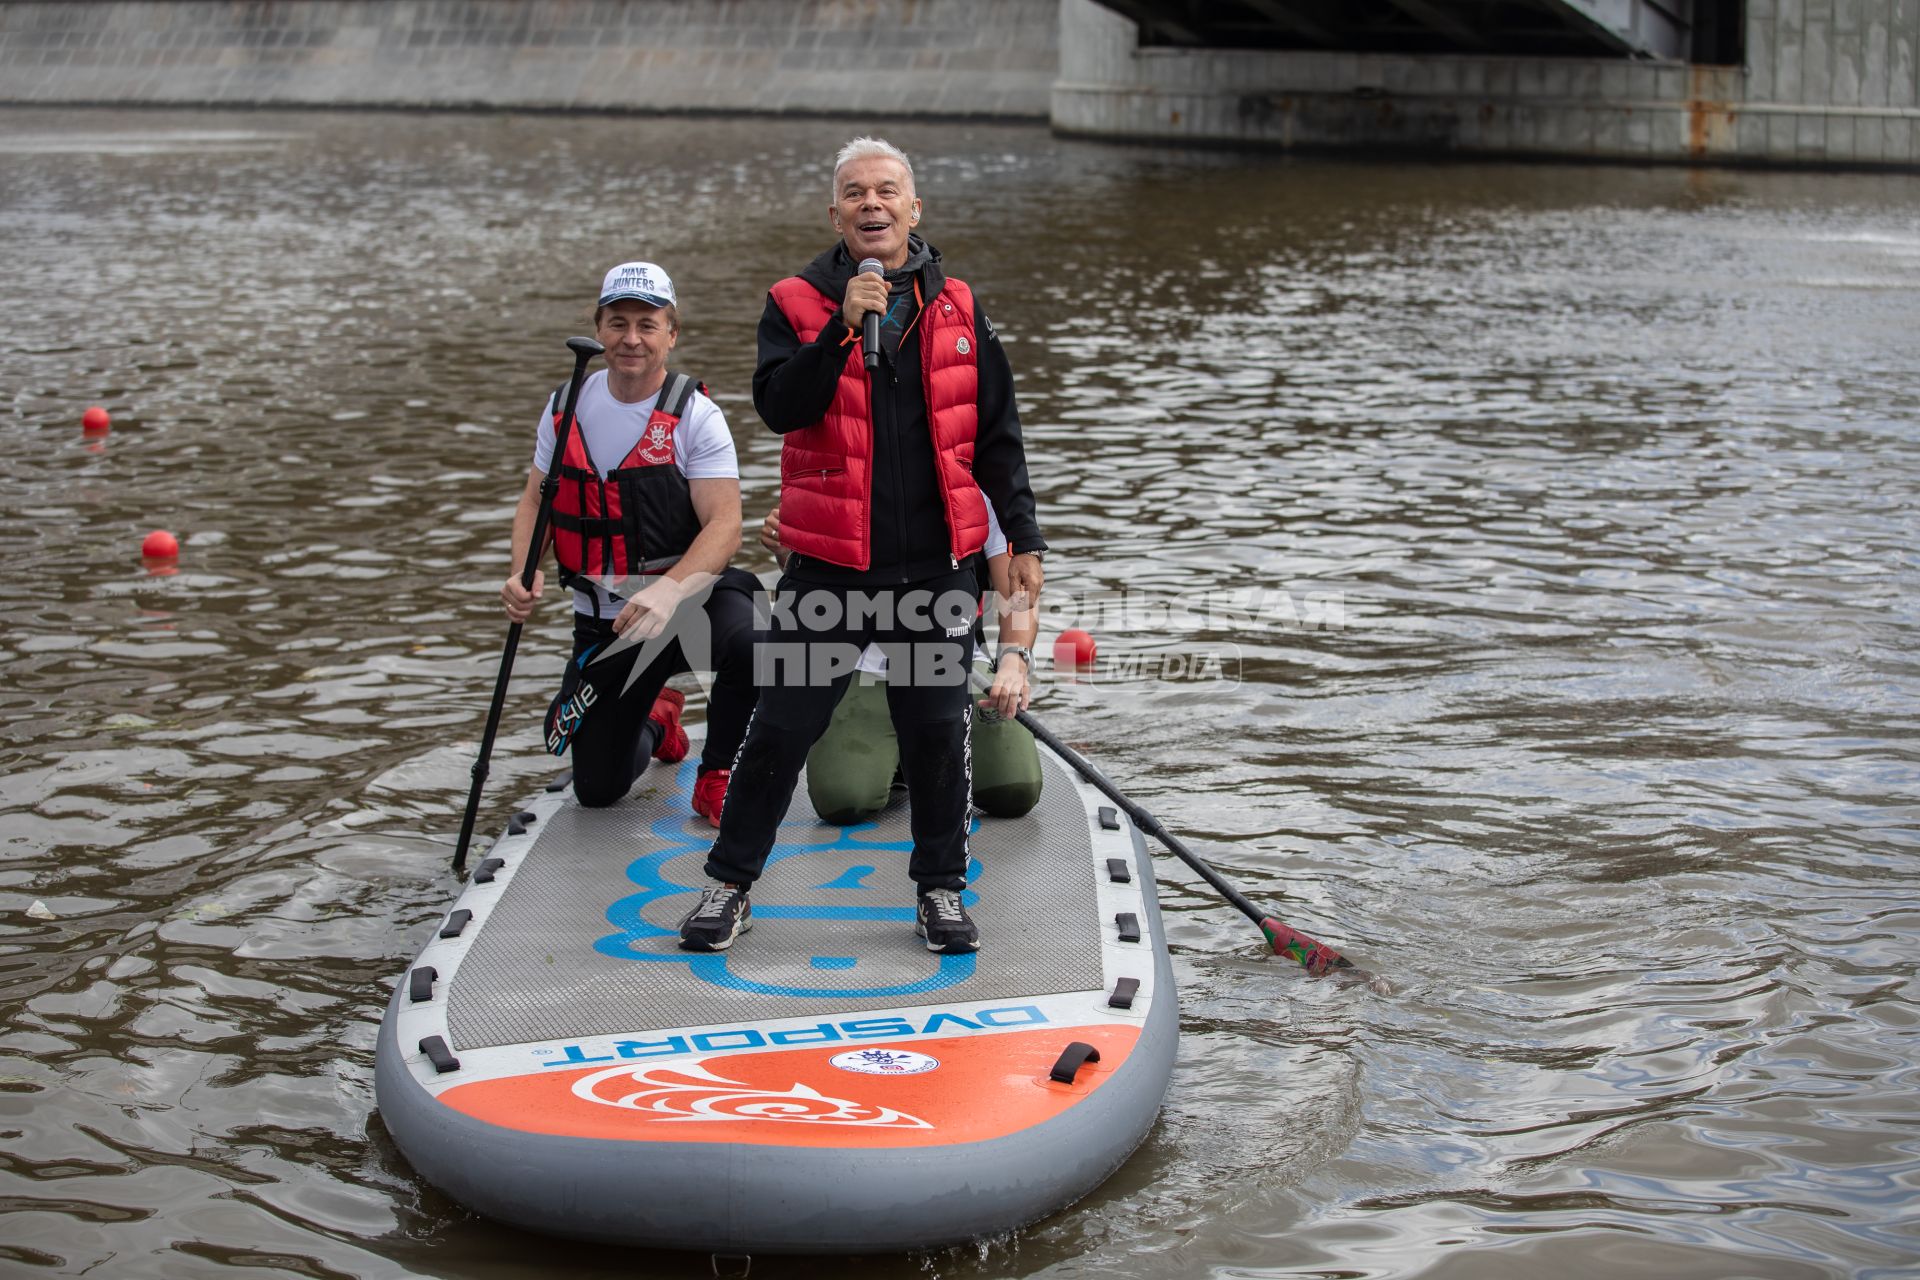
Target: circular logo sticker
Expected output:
[963,346]
[884,1062]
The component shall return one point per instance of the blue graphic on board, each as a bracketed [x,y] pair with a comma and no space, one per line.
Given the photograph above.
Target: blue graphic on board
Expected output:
[843,896]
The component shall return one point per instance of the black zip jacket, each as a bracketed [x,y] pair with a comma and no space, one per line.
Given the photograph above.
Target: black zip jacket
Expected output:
[794,383]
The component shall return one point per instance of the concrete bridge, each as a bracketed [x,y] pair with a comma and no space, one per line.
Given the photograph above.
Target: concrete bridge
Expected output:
[1677,30]
[1721,81]
[1821,82]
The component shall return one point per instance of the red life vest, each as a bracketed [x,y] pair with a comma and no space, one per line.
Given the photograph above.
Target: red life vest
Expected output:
[826,470]
[638,518]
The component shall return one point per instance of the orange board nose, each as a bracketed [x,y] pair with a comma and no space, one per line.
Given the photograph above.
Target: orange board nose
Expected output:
[982,1087]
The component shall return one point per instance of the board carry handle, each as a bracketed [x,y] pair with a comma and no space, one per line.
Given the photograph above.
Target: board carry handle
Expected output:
[1072,1058]
[439,1055]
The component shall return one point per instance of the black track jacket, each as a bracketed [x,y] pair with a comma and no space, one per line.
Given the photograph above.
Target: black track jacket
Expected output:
[794,383]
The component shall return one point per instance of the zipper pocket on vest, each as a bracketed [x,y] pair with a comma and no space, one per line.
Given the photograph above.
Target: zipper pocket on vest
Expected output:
[818,471]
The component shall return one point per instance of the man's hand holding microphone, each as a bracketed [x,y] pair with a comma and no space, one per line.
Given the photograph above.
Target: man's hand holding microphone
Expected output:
[865,303]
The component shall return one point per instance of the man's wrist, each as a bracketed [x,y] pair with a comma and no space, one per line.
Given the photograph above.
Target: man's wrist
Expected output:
[1019,651]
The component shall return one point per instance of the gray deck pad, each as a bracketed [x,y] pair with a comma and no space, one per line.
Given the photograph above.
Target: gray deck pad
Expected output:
[583,939]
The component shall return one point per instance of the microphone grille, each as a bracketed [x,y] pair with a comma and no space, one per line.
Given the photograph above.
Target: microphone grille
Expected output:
[872,267]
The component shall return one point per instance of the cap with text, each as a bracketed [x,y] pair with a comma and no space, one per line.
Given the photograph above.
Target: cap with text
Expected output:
[641,281]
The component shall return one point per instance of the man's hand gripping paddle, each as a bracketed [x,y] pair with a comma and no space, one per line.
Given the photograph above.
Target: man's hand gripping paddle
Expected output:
[1317,958]
[584,350]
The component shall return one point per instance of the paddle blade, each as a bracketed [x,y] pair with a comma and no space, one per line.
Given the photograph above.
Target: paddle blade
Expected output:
[1316,958]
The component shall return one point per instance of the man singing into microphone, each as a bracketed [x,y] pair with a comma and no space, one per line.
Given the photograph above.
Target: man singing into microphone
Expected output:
[895,404]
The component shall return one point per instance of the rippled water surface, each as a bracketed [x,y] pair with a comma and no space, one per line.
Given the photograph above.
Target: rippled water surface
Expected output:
[1554,529]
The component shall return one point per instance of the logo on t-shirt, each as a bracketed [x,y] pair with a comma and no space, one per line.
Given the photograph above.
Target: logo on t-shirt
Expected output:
[898,307]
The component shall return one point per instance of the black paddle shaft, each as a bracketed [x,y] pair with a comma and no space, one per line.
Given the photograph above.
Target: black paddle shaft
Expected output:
[584,350]
[1141,818]
[1316,957]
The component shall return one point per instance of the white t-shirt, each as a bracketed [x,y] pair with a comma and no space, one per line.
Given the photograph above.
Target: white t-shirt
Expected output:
[702,445]
[874,662]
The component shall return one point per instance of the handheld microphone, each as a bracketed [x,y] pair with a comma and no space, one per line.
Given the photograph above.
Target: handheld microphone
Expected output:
[870,323]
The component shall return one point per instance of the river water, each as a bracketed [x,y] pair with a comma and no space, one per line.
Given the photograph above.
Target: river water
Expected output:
[1506,572]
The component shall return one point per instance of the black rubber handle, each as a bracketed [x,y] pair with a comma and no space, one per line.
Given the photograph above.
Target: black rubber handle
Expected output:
[439,1055]
[456,923]
[1072,1058]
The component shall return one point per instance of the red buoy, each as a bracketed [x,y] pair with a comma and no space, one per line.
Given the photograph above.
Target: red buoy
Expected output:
[1074,648]
[160,545]
[95,421]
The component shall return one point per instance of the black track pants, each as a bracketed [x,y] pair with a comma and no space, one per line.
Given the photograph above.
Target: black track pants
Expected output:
[616,740]
[805,659]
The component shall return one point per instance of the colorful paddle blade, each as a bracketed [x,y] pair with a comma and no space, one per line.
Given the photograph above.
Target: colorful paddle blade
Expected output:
[1315,957]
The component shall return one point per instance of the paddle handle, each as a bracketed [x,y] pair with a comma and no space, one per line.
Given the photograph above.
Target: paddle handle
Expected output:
[584,350]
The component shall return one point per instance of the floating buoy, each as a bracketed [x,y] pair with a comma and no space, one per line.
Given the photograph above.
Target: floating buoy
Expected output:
[96,421]
[160,553]
[1074,648]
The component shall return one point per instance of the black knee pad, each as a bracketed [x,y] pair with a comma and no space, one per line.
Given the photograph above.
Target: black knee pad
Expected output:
[598,795]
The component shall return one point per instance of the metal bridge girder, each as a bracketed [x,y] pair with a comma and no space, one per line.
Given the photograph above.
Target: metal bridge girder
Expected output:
[1639,28]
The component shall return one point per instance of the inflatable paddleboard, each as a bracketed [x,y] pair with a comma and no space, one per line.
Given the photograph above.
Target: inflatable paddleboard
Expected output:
[554,1061]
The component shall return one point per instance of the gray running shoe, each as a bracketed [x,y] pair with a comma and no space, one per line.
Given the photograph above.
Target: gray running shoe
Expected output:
[945,924]
[722,914]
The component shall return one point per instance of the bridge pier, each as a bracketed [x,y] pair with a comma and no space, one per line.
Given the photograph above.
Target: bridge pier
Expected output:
[1824,82]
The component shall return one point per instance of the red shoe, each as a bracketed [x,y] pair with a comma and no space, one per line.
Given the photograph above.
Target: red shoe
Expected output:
[710,792]
[666,714]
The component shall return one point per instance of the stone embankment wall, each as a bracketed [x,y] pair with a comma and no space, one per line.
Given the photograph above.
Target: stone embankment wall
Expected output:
[884,57]
[1832,82]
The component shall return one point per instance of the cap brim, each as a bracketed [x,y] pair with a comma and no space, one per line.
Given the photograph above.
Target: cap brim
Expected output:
[651,299]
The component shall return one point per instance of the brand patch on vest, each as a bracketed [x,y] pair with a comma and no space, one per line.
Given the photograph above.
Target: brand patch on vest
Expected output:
[656,445]
[963,346]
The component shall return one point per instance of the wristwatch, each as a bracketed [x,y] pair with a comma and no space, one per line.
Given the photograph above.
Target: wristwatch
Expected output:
[1025,655]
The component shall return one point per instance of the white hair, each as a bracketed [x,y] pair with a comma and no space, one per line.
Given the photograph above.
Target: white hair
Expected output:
[861,149]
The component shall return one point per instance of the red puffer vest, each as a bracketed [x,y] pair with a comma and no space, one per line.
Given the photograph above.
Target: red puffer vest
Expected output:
[826,470]
[639,518]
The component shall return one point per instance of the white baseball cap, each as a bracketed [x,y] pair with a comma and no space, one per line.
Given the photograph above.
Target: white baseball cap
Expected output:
[639,280]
